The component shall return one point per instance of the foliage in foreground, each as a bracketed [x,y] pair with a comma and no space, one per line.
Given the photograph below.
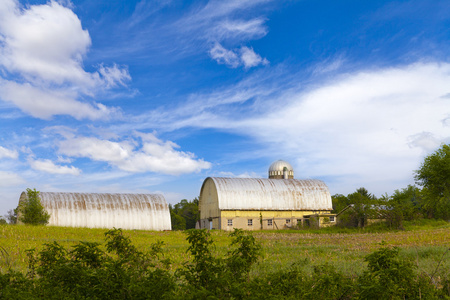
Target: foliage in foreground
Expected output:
[123,272]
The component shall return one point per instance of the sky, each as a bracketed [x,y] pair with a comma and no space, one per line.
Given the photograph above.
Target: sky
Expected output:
[113,96]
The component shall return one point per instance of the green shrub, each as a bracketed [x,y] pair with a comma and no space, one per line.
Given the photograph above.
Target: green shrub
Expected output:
[209,276]
[389,277]
[324,283]
[87,272]
[31,210]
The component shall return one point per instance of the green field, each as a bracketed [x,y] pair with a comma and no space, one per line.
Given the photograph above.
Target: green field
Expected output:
[426,244]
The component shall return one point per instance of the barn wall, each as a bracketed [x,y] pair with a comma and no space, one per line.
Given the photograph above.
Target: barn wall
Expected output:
[126,211]
[280,219]
[209,205]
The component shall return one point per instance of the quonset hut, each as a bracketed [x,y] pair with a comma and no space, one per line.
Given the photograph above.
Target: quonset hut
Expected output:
[255,203]
[126,211]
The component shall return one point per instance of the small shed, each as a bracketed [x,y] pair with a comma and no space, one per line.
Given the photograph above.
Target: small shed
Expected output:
[92,210]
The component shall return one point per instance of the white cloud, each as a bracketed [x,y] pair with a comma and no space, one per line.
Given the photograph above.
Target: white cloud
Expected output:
[224,56]
[231,23]
[64,160]
[360,125]
[42,103]
[154,155]
[44,42]
[250,59]
[114,76]
[48,166]
[371,126]
[424,140]
[96,149]
[8,153]
[240,29]
[8,179]
[41,51]
[244,56]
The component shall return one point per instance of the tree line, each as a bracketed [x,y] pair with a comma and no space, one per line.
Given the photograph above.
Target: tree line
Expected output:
[430,199]
[184,215]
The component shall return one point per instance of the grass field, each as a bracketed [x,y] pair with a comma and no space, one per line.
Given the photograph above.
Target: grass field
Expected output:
[425,243]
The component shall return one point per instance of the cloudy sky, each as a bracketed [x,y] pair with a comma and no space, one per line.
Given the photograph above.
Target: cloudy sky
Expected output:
[155,95]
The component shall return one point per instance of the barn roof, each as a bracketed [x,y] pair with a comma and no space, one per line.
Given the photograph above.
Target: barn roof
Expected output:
[126,211]
[271,194]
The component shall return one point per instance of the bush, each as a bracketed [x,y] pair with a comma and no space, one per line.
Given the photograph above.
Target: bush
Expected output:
[208,276]
[389,277]
[87,272]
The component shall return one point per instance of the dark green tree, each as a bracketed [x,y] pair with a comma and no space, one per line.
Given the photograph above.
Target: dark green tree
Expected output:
[184,214]
[434,176]
[339,203]
[402,205]
[359,208]
[178,222]
[31,211]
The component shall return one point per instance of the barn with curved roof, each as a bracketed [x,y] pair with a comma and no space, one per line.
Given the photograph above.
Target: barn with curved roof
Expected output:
[257,203]
[92,210]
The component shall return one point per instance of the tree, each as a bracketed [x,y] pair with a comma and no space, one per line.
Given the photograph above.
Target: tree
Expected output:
[31,211]
[12,216]
[184,214]
[402,205]
[361,203]
[434,176]
[178,222]
[339,203]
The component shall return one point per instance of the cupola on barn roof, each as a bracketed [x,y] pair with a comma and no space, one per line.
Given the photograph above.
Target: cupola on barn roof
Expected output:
[281,169]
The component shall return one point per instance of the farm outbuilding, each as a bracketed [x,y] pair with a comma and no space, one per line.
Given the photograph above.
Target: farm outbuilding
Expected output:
[257,203]
[92,210]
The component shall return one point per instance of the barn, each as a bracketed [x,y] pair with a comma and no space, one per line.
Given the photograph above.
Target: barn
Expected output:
[260,203]
[92,210]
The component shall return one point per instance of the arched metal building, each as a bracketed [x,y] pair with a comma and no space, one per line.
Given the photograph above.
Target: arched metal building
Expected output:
[126,211]
[256,203]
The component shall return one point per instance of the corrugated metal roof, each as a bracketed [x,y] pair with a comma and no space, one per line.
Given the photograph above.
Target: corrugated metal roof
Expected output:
[272,194]
[126,211]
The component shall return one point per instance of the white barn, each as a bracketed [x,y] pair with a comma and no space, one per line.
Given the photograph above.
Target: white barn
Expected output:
[256,203]
[126,211]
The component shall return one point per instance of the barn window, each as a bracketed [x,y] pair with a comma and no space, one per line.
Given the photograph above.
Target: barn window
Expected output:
[288,221]
[331,218]
[230,222]
[269,222]
[250,222]
[299,221]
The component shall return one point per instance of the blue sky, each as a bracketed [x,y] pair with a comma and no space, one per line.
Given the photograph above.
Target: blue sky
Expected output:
[155,96]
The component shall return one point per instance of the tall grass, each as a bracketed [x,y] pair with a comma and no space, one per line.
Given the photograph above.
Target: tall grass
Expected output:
[424,241]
